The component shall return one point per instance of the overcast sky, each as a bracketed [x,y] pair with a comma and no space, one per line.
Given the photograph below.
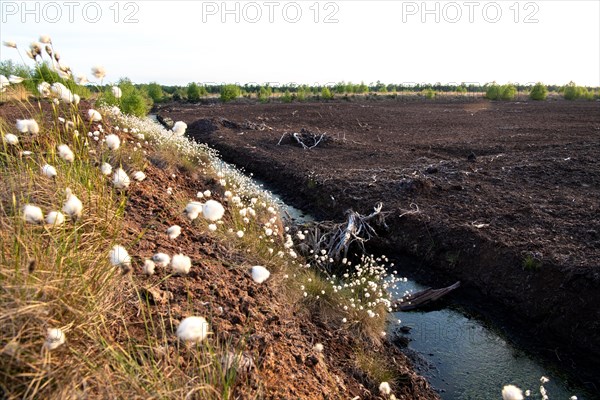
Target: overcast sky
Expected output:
[177,42]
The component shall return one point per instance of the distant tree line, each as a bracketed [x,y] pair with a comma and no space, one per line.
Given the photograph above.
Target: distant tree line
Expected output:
[139,98]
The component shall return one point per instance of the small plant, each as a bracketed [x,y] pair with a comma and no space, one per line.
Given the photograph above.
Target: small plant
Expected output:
[193,92]
[155,92]
[326,93]
[428,93]
[229,93]
[287,97]
[573,92]
[496,92]
[508,92]
[539,92]
[531,263]
[264,93]
[492,91]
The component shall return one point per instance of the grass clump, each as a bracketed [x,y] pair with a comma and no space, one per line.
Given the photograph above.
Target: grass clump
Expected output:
[531,263]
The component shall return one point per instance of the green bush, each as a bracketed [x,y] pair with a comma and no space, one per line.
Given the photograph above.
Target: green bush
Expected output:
[193,92]
[229,93]
[326,93]
[301,94]
[496,92]
[287,97]
[428,93]
[155,92]
[492,91]
[508,92]
[133,101]
[573,92]
[264,93]
[539,92]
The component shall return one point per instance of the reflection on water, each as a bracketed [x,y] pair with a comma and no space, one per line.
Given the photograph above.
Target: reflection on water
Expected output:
[464,359]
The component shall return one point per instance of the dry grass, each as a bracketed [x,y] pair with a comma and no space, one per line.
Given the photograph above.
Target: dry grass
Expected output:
[60,277]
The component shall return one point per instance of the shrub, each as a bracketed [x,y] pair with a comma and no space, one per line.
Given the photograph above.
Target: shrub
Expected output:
[264,93]
[538,92]
[229,92]
[573,92]
[508,92]
[287,97]
[428,93]
[301,94]
[492,92]
[155,92]
[497,92]
[326,93]
[133,100]
[193,92]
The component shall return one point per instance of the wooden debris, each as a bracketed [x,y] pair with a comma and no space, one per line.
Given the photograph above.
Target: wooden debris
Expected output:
[422,298]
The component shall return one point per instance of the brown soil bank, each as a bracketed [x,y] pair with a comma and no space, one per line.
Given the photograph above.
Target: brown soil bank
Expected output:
[506,194]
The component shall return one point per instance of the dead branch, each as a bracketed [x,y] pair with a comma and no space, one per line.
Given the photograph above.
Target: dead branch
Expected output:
[304,146]
[336,238]
[414,209]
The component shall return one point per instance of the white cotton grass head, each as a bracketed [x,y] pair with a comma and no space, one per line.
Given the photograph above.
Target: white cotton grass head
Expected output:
[121,179]
[511,392]
[113,142]
[240,234]
[14,79]
[193,329]
[179,128]
[32,214]
[119,257]
[11,139]
[94,115]
[73,207]
[149,267]
[174,231]
[385,389]
[65,153]
[106,169]
[212,227]
[139,176]
[62,92]
[213,210]
[318,347]
[28,126]
[81,79]
[44,89]
[193,209]
[161,259]
[45,39]
[117,92]
[9,44]
[260,274]
[55,218]
[181,264]
[49,171]
[55,337]
[4,82]
[98,71]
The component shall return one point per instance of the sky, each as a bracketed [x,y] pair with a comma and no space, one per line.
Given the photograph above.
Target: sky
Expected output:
[316,42]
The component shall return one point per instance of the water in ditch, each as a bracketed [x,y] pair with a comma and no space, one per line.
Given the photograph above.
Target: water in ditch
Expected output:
[465,358]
